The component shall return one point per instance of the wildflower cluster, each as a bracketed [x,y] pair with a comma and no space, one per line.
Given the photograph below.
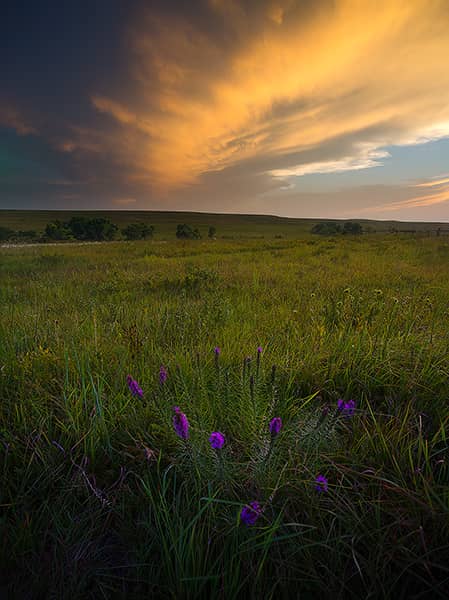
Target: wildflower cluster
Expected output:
[251,512]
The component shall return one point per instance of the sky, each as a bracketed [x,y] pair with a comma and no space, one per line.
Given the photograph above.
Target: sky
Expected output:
[300,108]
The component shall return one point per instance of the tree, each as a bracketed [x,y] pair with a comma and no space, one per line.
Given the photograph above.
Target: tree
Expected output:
[6,234]
[187,233]
[352,228]
[212,232]
[28,234]
[97,229]
[138,231]
[327,228]
[333,228]
[58,231]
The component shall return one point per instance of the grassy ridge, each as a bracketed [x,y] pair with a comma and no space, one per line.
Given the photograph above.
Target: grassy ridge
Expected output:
[227,225]
[99,498]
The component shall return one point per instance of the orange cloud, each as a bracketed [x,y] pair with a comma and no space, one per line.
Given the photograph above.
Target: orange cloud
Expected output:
[289,81]
[438,194]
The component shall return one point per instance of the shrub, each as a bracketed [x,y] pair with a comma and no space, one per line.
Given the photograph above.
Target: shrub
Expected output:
[352,228]
[333,228]
[138,231]
[328,228]
[57,230]
[6,234]
[186,232]
[97,229]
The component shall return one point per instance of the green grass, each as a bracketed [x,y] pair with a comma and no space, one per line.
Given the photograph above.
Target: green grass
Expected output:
[100,499]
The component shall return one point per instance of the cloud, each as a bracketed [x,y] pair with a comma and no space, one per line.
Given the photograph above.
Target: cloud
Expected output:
[438,194]
[272,80]
[124,201]
[230,104]
[11,118]
[367,159]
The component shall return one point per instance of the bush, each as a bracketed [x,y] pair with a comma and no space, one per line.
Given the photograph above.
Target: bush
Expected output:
[138,231]
[97,229]
[6,234]
[212,232]
[333,228]
[186,232]
[29,234]
[328,228]
[352,228]
[57,230]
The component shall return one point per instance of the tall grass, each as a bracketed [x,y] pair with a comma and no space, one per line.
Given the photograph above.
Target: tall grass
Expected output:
[98,496]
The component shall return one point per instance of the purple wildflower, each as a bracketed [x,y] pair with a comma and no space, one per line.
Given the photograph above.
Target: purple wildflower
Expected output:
[180,423]
[275,426]
[350,408]
[250,513]
[217,351]
[217,440]
[134,387]
[347,408]
[321,484]
[162,375]
[259,350]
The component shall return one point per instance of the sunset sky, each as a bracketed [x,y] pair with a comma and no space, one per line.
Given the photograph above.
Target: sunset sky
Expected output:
[303,108]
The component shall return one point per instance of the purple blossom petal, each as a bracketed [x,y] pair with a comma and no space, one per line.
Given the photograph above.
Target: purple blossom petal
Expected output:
[162,375]
[321,484]
[275,426]
[250,513]
[217,440]
[134,387]
[180,423]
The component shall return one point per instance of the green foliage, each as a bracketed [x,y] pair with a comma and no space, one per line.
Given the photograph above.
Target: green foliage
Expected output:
[334,228]
[330,228]
[212,232]
[6,234]
[97,229]
[81,228]
[138,231]
[352,228]
[28,234]
[100,499]
[187,233]
[57,231]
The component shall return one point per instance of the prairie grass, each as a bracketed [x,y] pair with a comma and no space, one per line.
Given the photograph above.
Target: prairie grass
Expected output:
[100,499]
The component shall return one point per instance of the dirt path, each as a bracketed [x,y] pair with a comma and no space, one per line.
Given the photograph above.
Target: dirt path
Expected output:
[61,244]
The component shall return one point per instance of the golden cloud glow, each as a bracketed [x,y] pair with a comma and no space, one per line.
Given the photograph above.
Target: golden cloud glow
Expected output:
[438,194]
[292,82]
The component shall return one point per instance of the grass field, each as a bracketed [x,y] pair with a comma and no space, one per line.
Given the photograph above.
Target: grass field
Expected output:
[99,497]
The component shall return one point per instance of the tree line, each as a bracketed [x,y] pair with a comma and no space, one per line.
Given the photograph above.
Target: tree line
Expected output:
[97,229]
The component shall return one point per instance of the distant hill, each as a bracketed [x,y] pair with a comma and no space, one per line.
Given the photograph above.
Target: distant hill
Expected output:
[231,225]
